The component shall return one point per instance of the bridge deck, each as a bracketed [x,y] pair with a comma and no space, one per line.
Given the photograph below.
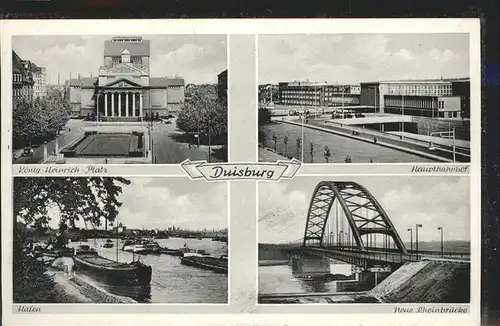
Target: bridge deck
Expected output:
[370,257]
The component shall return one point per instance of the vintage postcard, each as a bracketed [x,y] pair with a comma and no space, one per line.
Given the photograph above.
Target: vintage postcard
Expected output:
[240,172]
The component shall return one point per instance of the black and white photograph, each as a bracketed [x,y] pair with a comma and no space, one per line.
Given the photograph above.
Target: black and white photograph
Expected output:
[364,239]
[120,240]
[364,98]
[119,99]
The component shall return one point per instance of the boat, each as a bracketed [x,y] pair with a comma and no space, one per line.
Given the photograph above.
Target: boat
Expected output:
[172,252]
[215,264]
[143,247]
[108,244]
[87,261]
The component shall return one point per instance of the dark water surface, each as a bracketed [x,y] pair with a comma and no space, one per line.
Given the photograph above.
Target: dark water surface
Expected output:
[171,282]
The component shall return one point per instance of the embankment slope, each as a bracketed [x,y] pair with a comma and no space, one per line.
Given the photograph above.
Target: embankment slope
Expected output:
[426,282]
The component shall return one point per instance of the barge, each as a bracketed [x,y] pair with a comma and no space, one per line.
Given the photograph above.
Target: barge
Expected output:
[215,264]
[87,261]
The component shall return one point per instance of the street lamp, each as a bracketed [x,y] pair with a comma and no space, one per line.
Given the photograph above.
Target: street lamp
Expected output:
[416,237]
[402,116]
[331,238]
[341,232]
[411,239]
[440,229]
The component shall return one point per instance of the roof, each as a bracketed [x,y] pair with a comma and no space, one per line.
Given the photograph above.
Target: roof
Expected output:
[17,65]
[224,73]
[115,49]
[83,82]
[165,81]
[421,81]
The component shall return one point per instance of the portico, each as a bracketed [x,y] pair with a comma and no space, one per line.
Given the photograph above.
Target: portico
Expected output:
[122,98]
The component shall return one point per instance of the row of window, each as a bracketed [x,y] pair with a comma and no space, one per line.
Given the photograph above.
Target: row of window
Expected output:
[424,104]
[20,92]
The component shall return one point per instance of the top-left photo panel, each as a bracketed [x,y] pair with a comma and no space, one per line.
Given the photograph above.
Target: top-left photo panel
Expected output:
[119,99]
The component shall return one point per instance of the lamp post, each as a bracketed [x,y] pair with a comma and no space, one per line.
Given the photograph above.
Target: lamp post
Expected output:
[341,232]
[402,115]
[411,239]
[416,237]
[302,135]
[331,238]
[440,229]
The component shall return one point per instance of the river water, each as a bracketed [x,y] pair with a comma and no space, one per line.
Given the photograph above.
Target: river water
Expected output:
[171,282]
[280,279]
[360,152]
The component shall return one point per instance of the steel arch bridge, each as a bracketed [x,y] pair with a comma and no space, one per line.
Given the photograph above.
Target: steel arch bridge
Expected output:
[352,197]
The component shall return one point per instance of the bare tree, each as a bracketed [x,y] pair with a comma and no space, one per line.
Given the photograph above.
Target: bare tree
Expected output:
[327,154]
[285,141]
[275,140]
[311,151]
[299,144]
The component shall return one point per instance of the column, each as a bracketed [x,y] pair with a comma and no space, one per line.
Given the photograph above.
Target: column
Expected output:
[112,104]
[105,104]
[119,104]
[133,104]
[140,103]
[126,104]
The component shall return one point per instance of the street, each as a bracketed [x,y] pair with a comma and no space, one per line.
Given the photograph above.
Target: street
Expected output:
[169,150]
[71,132]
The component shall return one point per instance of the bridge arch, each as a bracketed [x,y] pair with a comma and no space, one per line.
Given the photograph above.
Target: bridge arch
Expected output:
[351,197]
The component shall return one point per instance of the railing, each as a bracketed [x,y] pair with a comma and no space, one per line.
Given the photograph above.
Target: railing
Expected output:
[420,252]
[388,256]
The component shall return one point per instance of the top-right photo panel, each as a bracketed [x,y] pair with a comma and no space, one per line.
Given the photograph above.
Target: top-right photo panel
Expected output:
[364,98]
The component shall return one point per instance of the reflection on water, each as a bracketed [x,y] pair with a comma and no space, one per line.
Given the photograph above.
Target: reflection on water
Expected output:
[283,279]
[171,282]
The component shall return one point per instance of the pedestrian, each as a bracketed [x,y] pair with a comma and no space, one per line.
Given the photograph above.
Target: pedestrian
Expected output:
[375,140]
[189,145]
[105,161]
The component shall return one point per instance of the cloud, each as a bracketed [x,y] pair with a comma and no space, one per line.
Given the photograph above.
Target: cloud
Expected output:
[431,201]
[354,58]
[197,58]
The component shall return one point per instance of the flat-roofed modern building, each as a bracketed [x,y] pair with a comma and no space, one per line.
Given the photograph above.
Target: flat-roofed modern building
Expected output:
[433,98]
[309,93]
[124,88]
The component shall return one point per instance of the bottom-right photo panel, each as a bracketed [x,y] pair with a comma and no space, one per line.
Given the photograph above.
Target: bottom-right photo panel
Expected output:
[364,239]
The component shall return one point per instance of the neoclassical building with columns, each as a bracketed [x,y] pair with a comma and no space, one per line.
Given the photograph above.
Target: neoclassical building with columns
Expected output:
[124,89]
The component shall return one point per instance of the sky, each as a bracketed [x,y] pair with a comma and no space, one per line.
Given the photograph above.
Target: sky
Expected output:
[162,202]
[430,201]
[355,58]
[197,58]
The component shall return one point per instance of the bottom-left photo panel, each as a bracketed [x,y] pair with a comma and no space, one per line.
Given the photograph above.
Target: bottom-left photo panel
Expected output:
[119,240]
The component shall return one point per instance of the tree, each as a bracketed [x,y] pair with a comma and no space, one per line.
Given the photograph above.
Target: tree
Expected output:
[38,120]
[327,154]
[285,141]
[311,151]
[204,114]
[275,140]
[298,143]
[88,199]
[264,115]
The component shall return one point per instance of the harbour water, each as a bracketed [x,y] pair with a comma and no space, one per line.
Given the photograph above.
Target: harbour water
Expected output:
[280,279]
[171,282]
[360,152]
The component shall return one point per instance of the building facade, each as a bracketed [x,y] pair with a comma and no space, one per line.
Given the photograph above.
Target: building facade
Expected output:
[433,98]
[318,94]
[22,78]
[40,81]
[124,88]
[222,85]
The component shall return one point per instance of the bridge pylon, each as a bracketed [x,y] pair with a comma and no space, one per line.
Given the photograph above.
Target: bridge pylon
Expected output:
[353,199]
